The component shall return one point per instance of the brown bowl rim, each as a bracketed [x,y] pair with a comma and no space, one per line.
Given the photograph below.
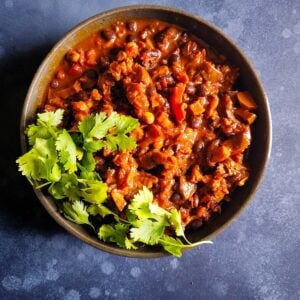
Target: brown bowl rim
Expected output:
[70,226]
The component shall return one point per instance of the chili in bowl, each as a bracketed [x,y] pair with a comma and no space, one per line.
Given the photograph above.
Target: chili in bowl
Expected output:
[150,133]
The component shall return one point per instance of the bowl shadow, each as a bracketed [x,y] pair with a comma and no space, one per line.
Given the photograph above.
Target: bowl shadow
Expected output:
[19,206]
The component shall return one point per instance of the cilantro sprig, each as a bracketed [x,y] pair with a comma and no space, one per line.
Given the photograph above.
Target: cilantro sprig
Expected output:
[64,161]
[147,224]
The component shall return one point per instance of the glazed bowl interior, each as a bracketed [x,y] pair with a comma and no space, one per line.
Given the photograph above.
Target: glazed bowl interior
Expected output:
[261,130]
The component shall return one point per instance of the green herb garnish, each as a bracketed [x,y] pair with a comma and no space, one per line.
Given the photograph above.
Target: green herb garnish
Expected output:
[64,161]
[147,224]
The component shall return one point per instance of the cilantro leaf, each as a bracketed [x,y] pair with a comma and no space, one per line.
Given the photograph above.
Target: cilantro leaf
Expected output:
[46,153]
[119,141]
[97,126]
[91,145]
[67,187]
[67,151]
[76,212]
[53,172]
[52,119]
[149,231]
[116,233]
[31,166]
[172,245]
[175,245]
[89,175]
[40,162]
[118,138]
[139,205]
[126,124]
[86,125]
[88,161]
[94,191]
[36,131]
[175,222]
[143,207]
[100,209]
[113,129]
[103,124]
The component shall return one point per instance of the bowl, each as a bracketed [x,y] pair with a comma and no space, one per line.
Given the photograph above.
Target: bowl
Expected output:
[258,153]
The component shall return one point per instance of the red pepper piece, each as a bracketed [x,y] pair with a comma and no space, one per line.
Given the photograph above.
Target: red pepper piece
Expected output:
[176,102]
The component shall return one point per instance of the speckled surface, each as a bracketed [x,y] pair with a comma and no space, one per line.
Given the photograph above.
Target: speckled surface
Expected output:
[258,257]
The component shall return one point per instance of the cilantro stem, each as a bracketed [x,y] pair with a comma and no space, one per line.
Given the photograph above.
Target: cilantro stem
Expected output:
[50,129]
[42,185]
[185,238]
[199,243]
[190,245]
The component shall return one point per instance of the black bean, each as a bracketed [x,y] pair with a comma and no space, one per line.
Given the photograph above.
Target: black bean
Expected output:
[159,37]
[108,34]
[131,38]
[174,58]
[103,63]
[82,95]
[132,26]
[184,36]
[91,73]
[54,83]
[195,224]
[113,53]
[176,198]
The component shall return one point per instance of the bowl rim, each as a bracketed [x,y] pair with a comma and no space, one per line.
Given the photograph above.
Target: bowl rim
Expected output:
[70,226]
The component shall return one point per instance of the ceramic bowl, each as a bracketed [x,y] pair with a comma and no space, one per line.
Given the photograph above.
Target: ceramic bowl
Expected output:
[259,151]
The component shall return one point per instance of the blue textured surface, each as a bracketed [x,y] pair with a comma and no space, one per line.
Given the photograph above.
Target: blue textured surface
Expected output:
[256,258]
